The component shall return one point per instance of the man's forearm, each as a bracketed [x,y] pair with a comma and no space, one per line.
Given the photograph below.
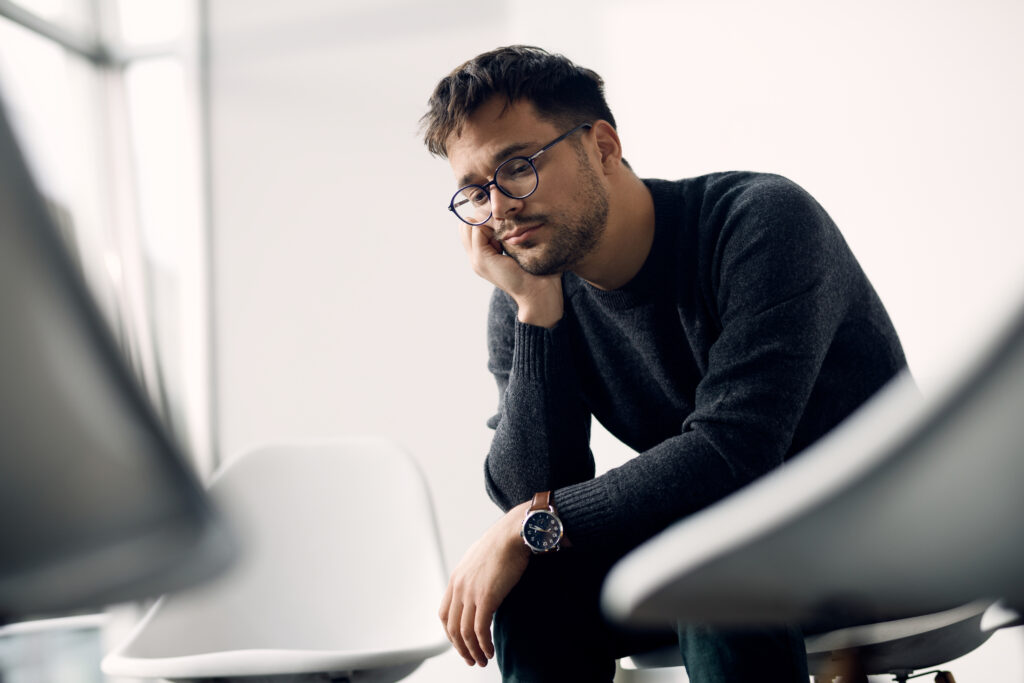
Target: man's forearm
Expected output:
[542,431]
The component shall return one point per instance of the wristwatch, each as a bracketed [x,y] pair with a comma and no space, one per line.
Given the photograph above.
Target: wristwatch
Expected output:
[542,529]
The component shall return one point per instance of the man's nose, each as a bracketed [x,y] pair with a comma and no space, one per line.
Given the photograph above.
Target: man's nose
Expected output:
[503,206]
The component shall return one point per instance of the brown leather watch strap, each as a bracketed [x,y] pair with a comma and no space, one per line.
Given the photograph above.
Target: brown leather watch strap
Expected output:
[541,501]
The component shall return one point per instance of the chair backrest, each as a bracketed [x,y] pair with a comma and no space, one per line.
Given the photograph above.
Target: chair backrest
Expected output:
[340,554]
[911,506]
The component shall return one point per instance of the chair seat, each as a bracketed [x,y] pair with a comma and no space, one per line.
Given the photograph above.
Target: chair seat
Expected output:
[386,665]
[341,571]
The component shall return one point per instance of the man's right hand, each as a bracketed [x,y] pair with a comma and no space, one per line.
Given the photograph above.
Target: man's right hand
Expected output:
[539,297]
[480,583]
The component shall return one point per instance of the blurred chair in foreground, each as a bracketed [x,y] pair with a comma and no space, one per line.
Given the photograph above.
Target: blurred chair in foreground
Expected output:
[899,648]
[910,508]
[98,503]
[340,579]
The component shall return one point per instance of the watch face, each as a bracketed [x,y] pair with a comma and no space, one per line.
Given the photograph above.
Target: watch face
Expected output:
[542,530]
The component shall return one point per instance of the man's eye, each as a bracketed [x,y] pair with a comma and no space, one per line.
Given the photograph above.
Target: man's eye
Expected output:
[477,197]
[516,168]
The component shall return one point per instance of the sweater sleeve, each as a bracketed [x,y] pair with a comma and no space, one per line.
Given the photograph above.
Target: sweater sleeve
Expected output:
[542,429]
[777,275]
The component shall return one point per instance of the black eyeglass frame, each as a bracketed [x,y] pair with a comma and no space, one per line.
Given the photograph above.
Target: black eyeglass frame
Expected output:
[530,159]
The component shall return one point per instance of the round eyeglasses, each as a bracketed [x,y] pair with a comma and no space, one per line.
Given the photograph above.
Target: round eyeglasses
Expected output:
[515,178]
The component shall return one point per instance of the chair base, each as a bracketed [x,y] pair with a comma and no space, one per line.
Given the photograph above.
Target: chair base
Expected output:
[898,677]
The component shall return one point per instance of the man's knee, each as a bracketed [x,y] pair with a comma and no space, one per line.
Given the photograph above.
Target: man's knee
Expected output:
[549,628]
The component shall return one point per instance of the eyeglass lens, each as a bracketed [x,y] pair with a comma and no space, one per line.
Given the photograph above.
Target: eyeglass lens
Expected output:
[516,178]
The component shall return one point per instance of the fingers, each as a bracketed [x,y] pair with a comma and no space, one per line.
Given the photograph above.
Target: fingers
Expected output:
[487,258]
[482,627]
[484,236]
[466,236]
[453,628]
[469,635]
[460,621]
[446,603]
[479,241]
[468,628]
[450,616]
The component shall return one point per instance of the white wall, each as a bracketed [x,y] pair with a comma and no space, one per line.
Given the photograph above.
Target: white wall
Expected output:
[343,301]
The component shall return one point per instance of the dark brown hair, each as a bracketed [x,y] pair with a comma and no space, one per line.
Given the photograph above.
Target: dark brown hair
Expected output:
[561,91]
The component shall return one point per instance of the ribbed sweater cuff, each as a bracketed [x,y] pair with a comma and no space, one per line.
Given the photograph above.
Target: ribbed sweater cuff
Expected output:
[529,358]
[585,511]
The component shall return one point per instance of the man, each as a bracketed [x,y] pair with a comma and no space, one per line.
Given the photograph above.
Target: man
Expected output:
[717,325]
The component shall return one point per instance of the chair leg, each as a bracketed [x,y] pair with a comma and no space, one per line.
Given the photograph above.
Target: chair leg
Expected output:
[841,672]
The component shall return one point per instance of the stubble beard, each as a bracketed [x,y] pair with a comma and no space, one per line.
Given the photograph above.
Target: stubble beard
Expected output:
[571,238]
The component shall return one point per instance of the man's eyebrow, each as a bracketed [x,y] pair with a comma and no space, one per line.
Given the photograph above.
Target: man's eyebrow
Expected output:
[499,157]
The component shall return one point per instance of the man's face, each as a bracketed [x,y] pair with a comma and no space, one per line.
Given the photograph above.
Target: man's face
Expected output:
[554,228]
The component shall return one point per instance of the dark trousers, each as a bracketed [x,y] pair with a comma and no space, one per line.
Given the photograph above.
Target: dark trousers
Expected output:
[550,628]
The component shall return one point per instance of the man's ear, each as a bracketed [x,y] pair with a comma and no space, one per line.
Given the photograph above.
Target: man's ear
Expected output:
[608,145]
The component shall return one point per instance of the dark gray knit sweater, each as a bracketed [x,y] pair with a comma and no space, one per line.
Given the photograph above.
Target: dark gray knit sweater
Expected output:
[749,332]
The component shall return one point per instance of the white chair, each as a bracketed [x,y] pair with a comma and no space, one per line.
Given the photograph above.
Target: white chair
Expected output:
[97,502]
[911,507]
[340,575]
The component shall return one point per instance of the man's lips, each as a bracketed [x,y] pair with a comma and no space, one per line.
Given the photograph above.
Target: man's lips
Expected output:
[519,234]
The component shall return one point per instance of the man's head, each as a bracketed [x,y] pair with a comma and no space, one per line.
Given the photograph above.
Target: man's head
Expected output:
[560,91]
[502,109]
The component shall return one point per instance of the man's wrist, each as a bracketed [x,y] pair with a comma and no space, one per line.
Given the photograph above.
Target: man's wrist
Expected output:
[515,517]
[540,316]
[541,304]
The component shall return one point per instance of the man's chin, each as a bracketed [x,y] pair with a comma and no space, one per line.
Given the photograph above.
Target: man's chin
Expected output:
[536,264]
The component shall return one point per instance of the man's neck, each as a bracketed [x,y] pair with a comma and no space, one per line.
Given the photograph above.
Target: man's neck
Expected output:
[627,239]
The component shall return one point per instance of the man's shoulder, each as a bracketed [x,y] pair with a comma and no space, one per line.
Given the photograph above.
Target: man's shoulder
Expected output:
[726,185]
[728,200]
